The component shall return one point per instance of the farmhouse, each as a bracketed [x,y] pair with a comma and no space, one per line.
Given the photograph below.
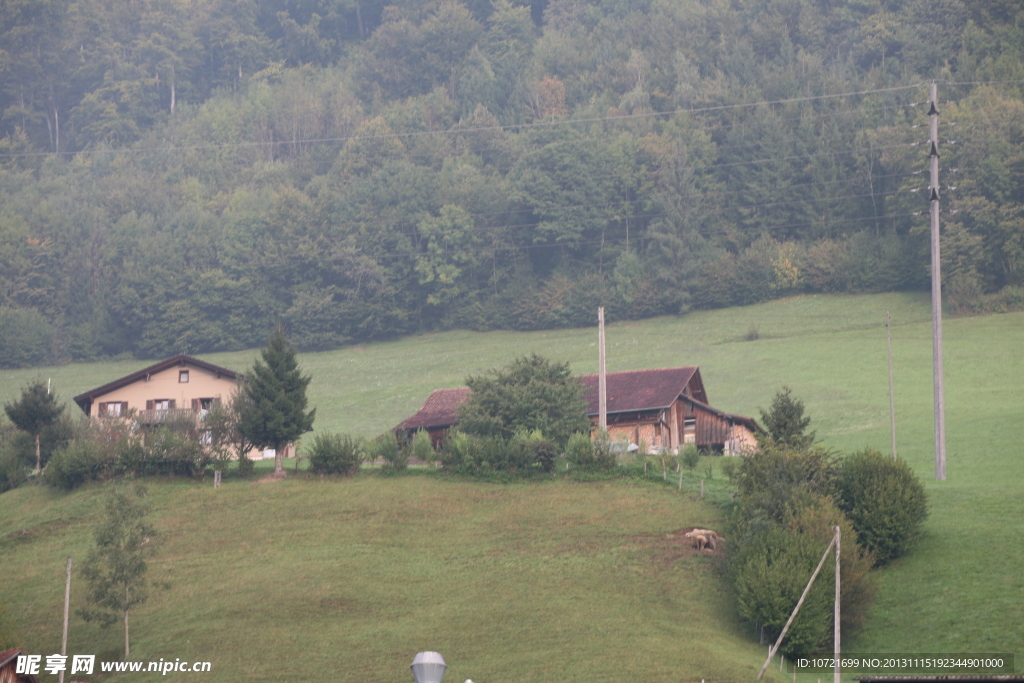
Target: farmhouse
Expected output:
[175,388]
[665,408]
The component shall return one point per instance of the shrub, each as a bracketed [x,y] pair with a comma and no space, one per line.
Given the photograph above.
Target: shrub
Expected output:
[13,472]
[171,452]
[335,454]
[387,448]
[770,572]
[690,456]
[75,464]
[590,455]
[885,502]
[729,466]
[245,466]
[422,448]
[532,448]
[771,567]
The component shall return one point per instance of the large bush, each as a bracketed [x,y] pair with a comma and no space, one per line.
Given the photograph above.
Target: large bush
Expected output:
[530,393]
[772,565]
[884,500]
[386,448]
[335,454]
[78,462]
[584,453]
[775,482]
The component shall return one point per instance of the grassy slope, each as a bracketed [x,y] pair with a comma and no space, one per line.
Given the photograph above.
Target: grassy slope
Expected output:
[953,594]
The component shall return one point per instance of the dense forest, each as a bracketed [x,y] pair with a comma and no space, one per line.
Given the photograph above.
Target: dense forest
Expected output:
[181,175]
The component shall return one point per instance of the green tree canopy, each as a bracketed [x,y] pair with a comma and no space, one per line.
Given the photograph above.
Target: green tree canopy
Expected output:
[116,568]
[785,422]
[530,393]
[274,411]
[36,410]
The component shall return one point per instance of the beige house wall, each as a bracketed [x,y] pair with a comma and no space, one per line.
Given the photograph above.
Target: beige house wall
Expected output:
[741,441]
[166,385]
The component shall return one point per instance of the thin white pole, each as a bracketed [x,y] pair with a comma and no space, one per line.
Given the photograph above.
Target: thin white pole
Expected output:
[602,386]
[892,401]
[837,540]
[67,606]
[940,401]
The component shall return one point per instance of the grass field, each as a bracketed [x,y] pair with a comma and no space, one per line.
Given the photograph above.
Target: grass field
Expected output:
[326,580]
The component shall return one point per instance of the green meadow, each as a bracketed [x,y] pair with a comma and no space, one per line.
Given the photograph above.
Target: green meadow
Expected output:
[324,579]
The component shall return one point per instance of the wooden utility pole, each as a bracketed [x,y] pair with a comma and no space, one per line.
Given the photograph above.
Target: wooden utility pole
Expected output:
[835,616]
[939,393]
[892,401]
[602,386]
[67,606]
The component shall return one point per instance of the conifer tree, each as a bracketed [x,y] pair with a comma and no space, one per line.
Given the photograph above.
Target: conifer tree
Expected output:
[36,410]
[785,422]
[274,412]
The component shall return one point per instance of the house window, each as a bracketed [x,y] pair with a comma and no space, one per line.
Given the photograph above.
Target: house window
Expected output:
[182,376]
[113,408]
[162,404]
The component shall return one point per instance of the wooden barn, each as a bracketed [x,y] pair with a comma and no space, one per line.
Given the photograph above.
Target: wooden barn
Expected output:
[8,668]
[665,408]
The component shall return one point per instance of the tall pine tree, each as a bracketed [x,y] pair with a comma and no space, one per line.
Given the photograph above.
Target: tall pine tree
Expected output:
[274,412]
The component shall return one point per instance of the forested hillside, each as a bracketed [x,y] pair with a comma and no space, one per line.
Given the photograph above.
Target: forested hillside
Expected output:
[180,175]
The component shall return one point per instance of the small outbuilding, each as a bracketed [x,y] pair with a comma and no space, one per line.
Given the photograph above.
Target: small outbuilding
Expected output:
[9,667]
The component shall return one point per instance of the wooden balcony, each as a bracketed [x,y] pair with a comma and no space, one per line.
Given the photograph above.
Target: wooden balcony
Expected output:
[174,415]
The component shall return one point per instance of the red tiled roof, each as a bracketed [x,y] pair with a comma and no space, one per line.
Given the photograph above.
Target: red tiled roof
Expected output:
[85,400]
[441,409]
[640,389]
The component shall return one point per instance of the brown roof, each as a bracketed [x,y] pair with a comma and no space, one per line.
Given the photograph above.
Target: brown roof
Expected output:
[641,389]
[441,409]
[85,400]
[7,656]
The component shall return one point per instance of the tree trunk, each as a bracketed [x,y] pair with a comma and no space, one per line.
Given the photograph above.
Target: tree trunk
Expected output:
[39,455]
[278,469]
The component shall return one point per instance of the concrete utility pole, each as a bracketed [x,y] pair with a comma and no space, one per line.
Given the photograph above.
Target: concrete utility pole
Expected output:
[940,408]
[67,606]
[602,386]
[892,401]
[838,540]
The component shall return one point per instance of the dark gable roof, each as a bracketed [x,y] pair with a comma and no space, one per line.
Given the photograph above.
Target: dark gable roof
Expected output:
[635,390]
[86,399]
[441,409]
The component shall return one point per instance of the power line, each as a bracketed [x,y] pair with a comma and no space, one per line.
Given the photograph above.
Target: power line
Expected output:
[477,129]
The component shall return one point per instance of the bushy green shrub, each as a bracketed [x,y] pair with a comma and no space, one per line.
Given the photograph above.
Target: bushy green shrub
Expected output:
[75,464]
[533,449]
[422,448]
[884,500]
[335,454]
[386,447]
[690,457]
[729,467]
[169,451]
[13,472]
[583,453]
[245,466]
[525,452]
[770,571]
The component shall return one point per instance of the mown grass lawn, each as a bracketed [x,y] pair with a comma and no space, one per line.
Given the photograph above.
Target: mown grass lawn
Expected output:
[960,591]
